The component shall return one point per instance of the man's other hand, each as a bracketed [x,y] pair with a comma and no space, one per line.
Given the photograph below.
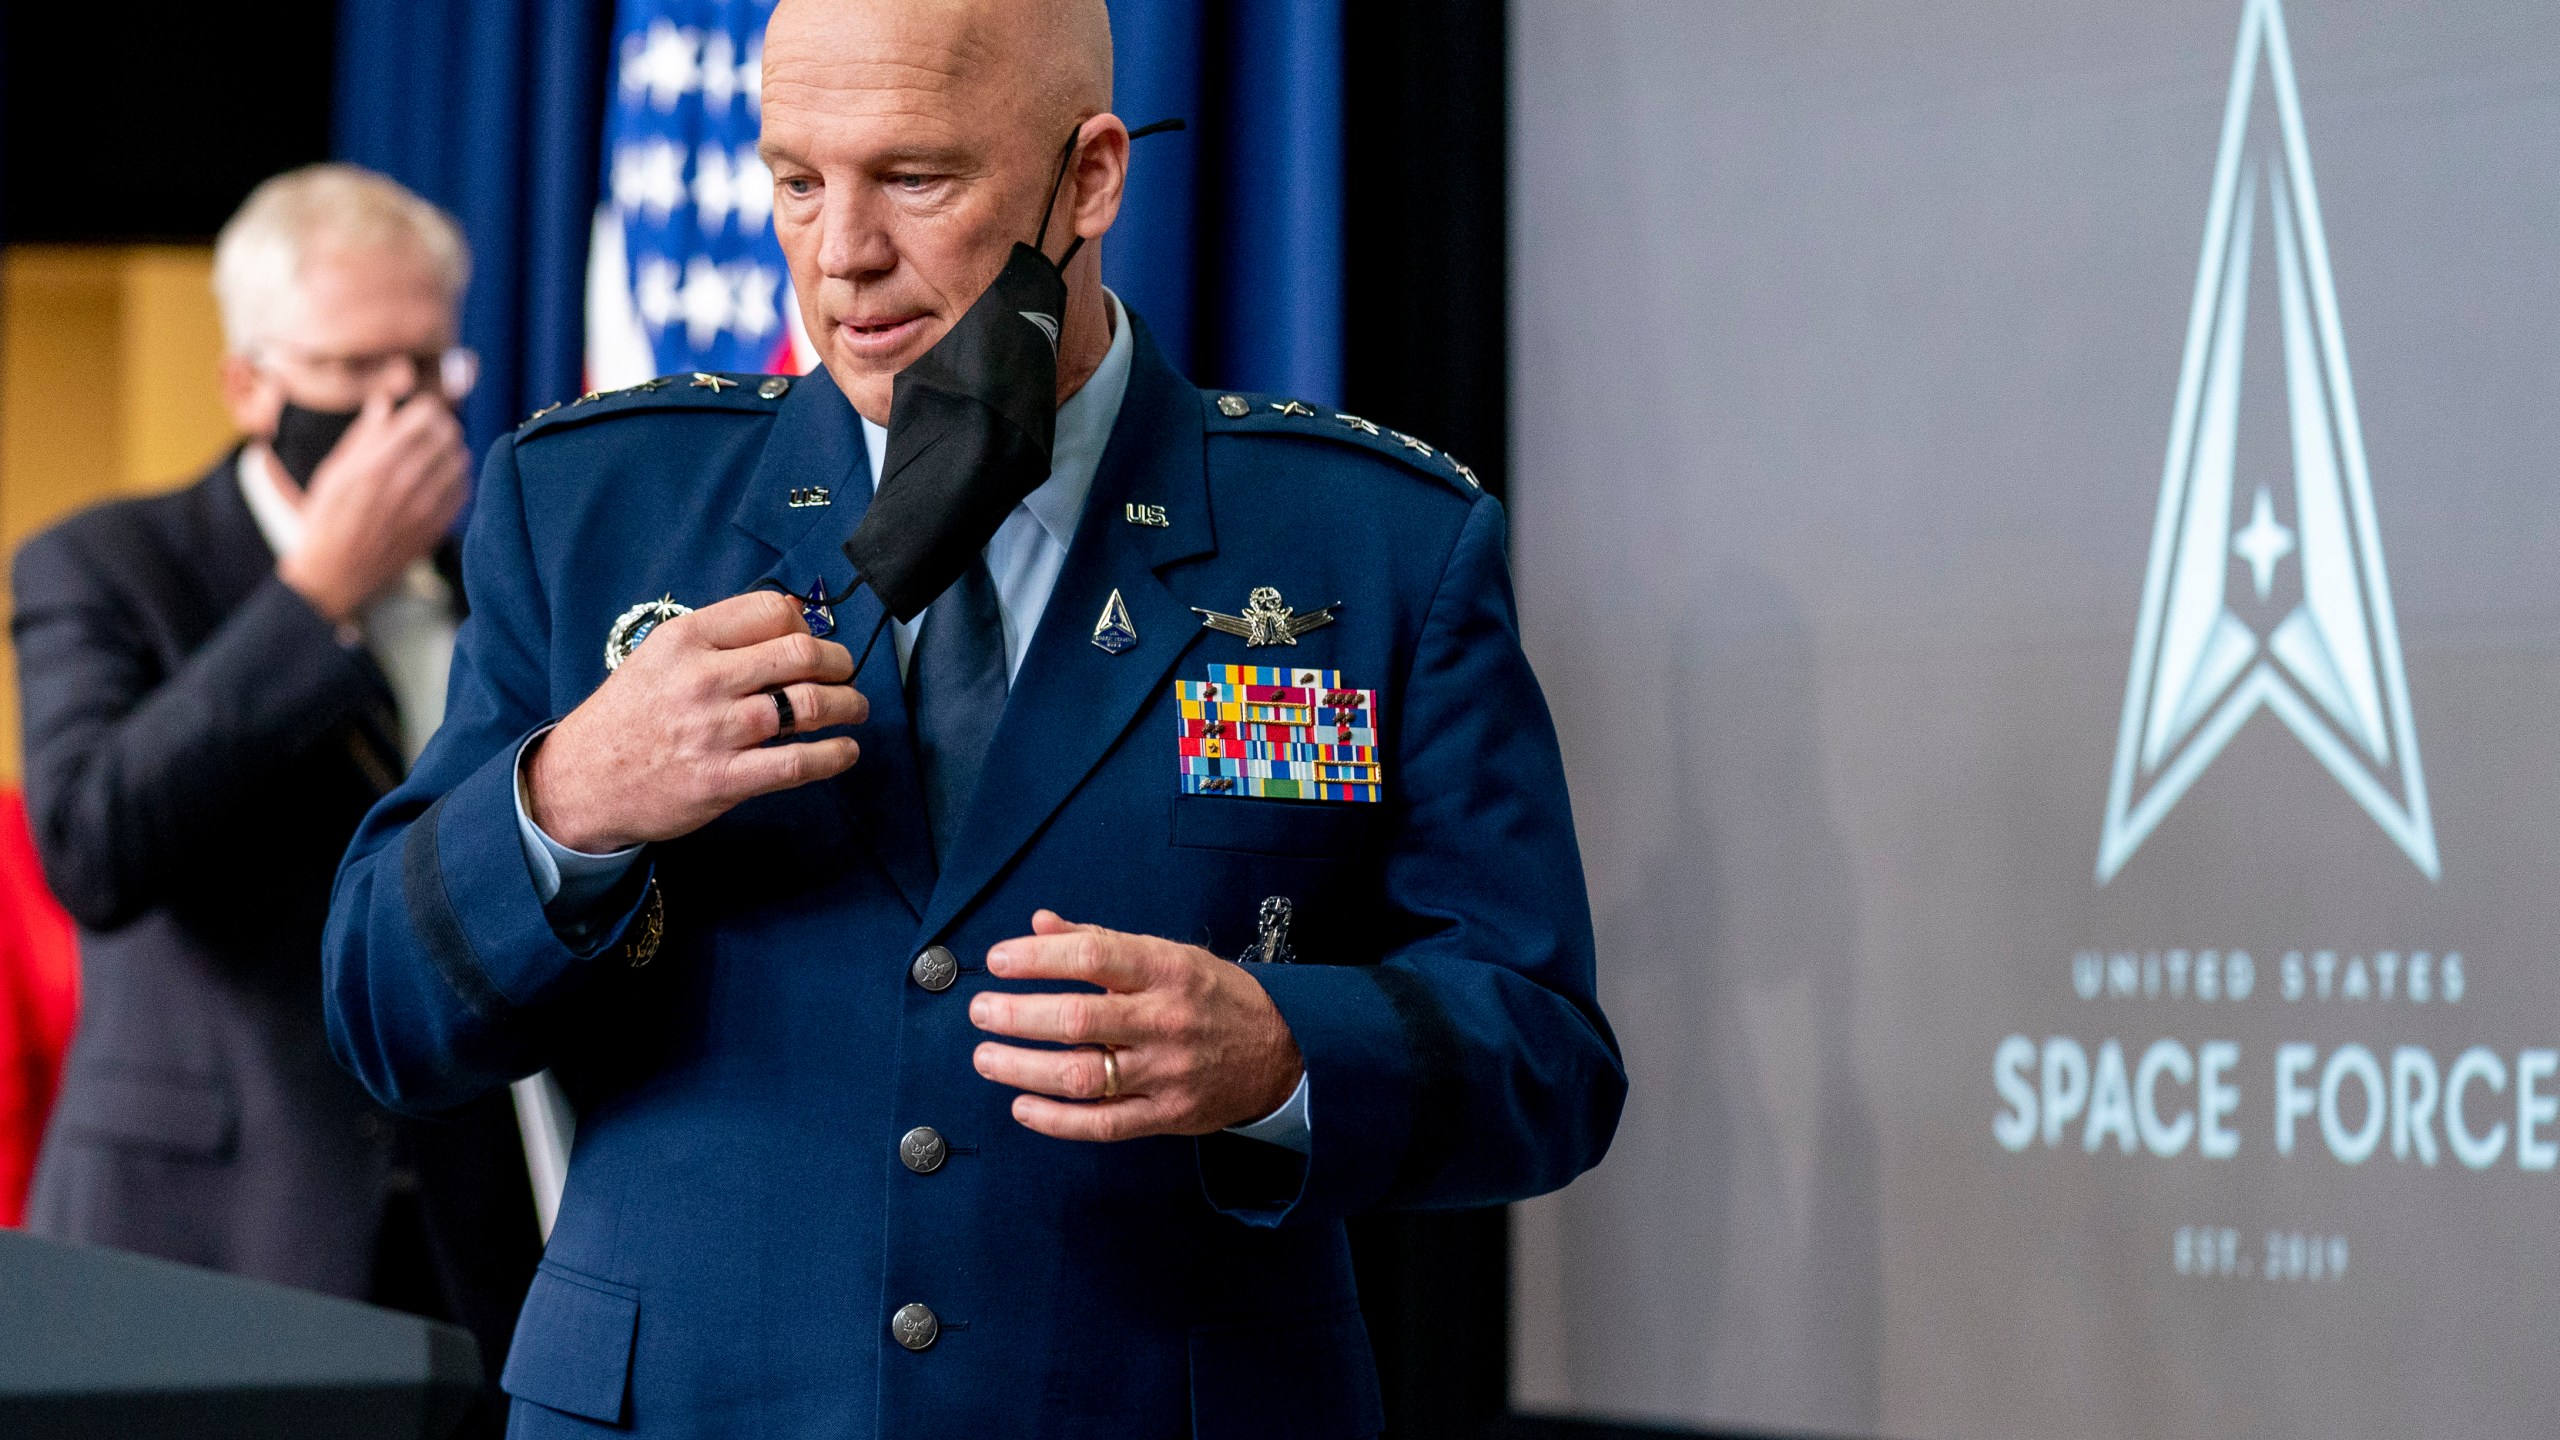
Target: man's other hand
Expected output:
[1197,1041]
[676,735]
[385,496]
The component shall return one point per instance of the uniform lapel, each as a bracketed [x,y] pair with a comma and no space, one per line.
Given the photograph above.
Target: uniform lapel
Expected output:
[817,442]
[1072,701]
[232,553]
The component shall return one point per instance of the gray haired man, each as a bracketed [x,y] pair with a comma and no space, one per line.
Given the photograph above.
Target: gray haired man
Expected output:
[217,683]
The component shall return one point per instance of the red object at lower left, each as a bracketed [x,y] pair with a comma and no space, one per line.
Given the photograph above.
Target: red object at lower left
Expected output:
[39,996]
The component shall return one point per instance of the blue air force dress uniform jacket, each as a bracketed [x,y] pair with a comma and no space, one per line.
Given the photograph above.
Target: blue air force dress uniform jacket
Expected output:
[795,1209]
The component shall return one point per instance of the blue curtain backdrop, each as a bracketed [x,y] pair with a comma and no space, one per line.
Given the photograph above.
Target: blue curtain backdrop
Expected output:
[490,108]
[1231,242]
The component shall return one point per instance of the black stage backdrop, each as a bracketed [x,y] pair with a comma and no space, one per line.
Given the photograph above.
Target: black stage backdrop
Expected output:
[1425,349]
[125,124]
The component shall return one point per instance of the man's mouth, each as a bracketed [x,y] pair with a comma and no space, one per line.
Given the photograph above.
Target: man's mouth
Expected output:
[881,334]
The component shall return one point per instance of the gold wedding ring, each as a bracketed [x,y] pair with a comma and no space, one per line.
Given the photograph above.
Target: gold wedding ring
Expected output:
[1110,1073]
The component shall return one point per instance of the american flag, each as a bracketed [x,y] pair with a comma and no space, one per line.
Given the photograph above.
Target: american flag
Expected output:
[683,272]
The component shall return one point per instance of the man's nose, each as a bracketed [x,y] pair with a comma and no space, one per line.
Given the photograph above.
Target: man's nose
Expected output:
[852,242]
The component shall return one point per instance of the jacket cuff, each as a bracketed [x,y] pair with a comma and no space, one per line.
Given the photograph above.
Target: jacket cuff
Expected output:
[1286,1126]
[1355,1048]
[576,888]
[471,898]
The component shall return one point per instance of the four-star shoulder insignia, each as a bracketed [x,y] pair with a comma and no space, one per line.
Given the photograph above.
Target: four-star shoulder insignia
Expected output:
[691,390]
[1262,415]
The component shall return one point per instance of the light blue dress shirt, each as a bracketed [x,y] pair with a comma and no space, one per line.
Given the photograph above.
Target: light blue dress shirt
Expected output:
[1024,558]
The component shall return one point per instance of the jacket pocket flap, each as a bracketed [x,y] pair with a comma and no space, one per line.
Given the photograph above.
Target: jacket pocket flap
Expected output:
[1270,827]
[1300,1379]
[572,1348]
[170,1113]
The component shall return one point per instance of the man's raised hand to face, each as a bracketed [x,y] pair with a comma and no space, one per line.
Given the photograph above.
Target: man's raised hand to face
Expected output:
[385,497]
[371,324]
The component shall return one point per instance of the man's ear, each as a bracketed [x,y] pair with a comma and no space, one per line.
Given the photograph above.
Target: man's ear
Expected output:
[1101,175]
[252,396]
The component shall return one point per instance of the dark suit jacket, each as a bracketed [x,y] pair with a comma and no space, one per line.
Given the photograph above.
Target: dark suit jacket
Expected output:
[199,748]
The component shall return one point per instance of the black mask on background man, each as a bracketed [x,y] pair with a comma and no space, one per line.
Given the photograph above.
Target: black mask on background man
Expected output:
[305,437]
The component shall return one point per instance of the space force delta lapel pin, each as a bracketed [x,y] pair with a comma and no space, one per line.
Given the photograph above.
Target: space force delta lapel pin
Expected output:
[1275,733]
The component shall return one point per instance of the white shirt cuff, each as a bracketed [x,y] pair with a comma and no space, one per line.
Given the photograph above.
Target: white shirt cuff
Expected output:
[569,883]
[1285,1127]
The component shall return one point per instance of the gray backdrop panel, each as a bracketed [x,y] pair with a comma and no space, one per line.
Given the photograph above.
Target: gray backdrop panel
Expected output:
[1848,339]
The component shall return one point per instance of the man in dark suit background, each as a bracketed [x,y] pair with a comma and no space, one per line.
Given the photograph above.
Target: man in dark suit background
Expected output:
[218,683]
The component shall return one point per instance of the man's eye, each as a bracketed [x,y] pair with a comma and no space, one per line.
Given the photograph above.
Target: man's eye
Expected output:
[912,184]
[800,185]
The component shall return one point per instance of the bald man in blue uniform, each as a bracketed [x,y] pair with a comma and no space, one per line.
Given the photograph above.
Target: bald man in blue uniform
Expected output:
[992,1041]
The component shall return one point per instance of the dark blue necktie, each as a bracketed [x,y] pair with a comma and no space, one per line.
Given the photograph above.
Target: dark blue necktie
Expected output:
[956,686]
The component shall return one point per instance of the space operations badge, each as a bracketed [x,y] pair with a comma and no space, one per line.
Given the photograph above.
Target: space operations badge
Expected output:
[1275,733]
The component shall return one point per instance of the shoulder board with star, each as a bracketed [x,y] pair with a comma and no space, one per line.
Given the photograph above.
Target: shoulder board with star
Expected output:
[1236,412]
[691,390]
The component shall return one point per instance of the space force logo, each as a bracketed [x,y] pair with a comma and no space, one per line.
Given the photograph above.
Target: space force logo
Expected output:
[2263,594]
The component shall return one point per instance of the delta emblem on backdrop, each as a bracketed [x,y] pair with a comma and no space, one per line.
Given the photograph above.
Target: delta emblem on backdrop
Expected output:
[2204,659]
[2376,1044]
[683,272]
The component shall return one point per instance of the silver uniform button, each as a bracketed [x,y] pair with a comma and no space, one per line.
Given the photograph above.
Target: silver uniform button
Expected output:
[915,1327]
[923,1149]
[935,969]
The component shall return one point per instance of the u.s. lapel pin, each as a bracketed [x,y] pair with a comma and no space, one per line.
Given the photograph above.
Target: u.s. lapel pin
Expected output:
[1115,633]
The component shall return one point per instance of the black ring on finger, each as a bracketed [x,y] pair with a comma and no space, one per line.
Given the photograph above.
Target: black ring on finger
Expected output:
[782,712]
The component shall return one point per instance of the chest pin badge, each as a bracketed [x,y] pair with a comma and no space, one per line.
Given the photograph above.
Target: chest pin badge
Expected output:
[634,625]
[1115,633]
[1266,621]
[815,612]
[1271,944]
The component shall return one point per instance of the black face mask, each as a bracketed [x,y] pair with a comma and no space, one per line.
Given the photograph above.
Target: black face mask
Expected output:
[304,438]
[970,426]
